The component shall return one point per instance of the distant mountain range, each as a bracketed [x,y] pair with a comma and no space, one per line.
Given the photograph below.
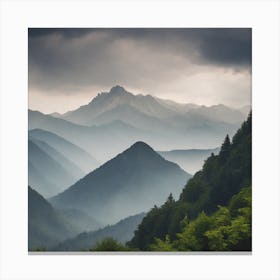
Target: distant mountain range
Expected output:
[95,166]
[130,183]
[117,119]
[122,231]
[47,226]
[78,160]
[55,163]
[189,160]
[45,174]
[224,181]
[147,105]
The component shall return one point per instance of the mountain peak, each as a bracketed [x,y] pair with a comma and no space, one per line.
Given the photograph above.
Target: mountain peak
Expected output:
[142,152]
[118,90]
[130,182]
[140,145]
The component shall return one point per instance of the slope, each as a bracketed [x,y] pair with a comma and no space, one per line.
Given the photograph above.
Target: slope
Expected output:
[130,183]
[68,165]
[45,226]
[121,231]
[72,152]
[51,171]
[221,177]
[48,226]
[117,96]
[190,160]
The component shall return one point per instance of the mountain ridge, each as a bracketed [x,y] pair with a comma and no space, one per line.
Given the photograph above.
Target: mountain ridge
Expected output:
[147,104]
[46,165]
[132,179]
[48,226]
[223,176]
[122,231]
[73,152]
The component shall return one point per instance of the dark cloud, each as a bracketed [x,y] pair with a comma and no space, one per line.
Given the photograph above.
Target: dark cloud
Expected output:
[72,60]
[218,45]
[66,32]
[226,46]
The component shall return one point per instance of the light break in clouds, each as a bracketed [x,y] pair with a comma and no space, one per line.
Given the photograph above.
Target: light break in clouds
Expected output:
[68,67]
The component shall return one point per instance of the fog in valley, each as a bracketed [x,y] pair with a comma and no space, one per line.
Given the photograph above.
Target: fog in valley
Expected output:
[111,142]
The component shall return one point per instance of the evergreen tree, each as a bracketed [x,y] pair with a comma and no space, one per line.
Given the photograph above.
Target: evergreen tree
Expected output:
[225,149]
[109,244]
[221,177]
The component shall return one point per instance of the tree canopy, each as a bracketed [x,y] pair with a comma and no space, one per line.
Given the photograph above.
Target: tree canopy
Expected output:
[191,220]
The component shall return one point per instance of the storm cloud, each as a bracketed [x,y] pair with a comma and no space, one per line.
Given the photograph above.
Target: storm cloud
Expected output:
[201,65]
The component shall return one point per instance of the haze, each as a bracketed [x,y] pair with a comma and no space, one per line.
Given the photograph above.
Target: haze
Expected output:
[69,67]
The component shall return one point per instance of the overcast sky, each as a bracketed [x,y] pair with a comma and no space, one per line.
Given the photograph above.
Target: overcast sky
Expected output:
[68,67]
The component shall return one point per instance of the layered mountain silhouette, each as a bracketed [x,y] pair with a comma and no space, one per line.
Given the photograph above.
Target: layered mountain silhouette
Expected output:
[130,183]
[118,118]
[222,177]
[47,226]
[75,158]
[117,96]
[71,167]
[91,167]
[189,160]
[147,105]
[122,231]
[55,163]
[46,174]
[116,136]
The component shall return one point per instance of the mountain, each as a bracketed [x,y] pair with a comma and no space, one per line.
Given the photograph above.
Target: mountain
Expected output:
[131,116]
[37,119]
[79,135]
[218,112]
[122,231]
[115,136]
[79,220]
[43,169]
[68,165]
[56,115]
[222,177]
[178,107]
[164,124]
[189,160]
[104,103]
[45,227]
[130,183]
[117,119]
[245,110]
[79,159]
[117,96]
[48,226]
[41,181]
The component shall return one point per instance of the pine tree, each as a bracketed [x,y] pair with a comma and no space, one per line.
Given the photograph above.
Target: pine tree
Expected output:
[170,199]
[225,148]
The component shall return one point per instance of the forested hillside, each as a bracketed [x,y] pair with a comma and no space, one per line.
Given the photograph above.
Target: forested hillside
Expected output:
[47,226]
[221,177]
[129,184]
[227,229]
[120,232]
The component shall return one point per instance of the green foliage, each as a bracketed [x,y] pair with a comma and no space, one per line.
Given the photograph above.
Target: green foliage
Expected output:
[225,149]
[109,244]
[227,229]
[221,178]
[41,249]
[193,236]
[162,246]
[159,222]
